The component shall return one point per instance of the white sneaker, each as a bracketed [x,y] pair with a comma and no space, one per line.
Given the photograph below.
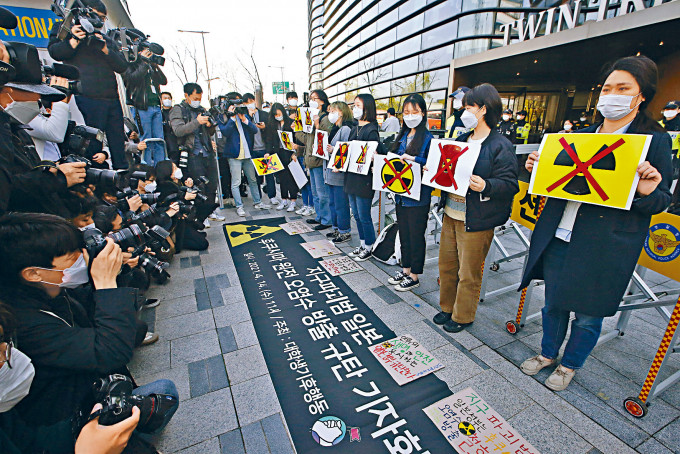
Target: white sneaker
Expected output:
[206,223]
[282,205]
[301,210]
[241,212]
[310,211]
[275,201]
[261,206]
[216,217]
[291,207]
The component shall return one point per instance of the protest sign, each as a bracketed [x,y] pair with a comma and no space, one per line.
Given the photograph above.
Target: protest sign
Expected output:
[340,265]
[298,174]
[307,115]
[405,359]
[297,122]
[525,207]
[296,227]
[320,146]
[449,165]
[286,138]
[321,248]
[599,169]
[661,251]
[361,156]
[267,166]
[390,174]
[339,158]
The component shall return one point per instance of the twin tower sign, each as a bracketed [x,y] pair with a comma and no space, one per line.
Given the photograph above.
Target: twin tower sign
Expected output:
[566,16]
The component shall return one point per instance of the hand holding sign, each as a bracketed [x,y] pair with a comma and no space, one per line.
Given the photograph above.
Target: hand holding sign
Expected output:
[286,138]
[339,159]
[320,146]
[391,174]
[449,165]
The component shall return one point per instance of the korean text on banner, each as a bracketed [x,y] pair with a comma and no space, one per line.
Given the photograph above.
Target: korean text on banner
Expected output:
[525,207]
[286,138]
[339,158]
[390,174]
[320,146]
[298,174]
[661,251]
[600,169]
[361,156]
[450,164]
[267,166]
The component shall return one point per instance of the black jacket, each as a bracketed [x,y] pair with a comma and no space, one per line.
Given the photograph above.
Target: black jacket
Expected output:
[362,185]
[71,343]
[138,76]
[96,68]
[508,129]
[497,164]
[605,242]
[170,137]
[671,125]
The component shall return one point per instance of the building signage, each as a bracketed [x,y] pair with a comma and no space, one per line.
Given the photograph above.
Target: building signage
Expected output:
[563,17]
[33,27]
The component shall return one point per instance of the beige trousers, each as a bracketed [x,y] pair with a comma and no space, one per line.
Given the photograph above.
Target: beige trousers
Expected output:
[461,256]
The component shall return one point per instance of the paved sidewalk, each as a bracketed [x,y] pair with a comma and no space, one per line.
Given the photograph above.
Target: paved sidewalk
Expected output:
[208,347]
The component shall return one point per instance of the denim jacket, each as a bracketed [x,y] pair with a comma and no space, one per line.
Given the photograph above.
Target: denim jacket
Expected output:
[425,191]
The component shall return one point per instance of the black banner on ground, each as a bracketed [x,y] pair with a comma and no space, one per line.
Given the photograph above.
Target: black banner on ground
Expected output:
[315,332]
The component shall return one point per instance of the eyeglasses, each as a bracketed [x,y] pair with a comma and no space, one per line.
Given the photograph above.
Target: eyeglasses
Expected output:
[7,353]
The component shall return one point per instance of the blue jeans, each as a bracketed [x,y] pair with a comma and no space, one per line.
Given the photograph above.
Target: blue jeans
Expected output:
[152,124]
[340,209]
[320,196]
[235,167]
[306,190]
[269,179]
[361,208]
[160,387]
[585,329]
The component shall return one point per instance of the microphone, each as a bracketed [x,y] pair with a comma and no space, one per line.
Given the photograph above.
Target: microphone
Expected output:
[7,19]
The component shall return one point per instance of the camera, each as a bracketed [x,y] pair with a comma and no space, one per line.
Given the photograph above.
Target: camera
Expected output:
[114,392]
[199,196]
[156,268]
[82,15]
[157,51]
[67,72]
[239,110]
[185,209]
[78,138]
[128,237]
[98,177]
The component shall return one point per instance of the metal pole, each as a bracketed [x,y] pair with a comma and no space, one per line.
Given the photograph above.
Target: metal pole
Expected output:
[207,70]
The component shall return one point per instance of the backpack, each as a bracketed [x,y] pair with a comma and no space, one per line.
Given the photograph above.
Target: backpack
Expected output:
[387,247]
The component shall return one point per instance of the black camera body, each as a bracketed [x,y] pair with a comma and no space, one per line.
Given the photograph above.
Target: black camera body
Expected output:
[98,177]
[199,195]
[82,15]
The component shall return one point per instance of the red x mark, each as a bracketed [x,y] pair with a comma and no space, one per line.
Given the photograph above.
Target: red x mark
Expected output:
[397,175]
[582,167]
[265,164]
[340,156]
[449,165]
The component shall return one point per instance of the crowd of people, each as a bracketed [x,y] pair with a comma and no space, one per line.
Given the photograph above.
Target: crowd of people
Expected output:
[91,214]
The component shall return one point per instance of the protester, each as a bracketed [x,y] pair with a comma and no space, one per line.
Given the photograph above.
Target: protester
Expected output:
[454,120]
[507,126]
[567,127]
[259,119]
[359,188]
[412,145]
[168,134]
[469,221]
[340,115]
[292,104]
[98,61]
[391,123]
[320,194]
[563,236]
[279,121]
[307,208]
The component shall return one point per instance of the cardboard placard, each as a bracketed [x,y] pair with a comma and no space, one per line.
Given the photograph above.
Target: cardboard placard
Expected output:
[339,158]
[450,164]
[321,248]
[296,227]
[267,166]
[361,156]
[307,115]
[405,359]
[286,139]
[661,251]
[390,174]
[600,169]
[341,265]
[297,122]
[320,146]
[525,207]
[298,174]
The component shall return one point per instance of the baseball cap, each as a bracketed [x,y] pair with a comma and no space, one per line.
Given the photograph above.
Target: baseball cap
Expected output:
[508,111]
[459,93]
[672,105]
[522,112]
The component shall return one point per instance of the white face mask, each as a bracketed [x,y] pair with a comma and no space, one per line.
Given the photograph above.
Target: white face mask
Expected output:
[506,117]
[670,113]
[23,111]
[150,187]
[266,109]
[333,117]
[292,102]
[313,105]
[74,276]
[195,104]
[279,118]
[251,106]
[567,127]
[88,226]
[178,174]
[15,383]
[457,103]
[582,118]
[615,107]
[167,102]
[469,119]
[413,121]
[357,112]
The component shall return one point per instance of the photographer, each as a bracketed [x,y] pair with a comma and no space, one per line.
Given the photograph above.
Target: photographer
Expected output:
[143,79]
[49,129]
[74,336]
[98,58]
[168,133]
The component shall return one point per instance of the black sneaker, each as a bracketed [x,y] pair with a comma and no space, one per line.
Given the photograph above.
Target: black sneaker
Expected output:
[332,235]
[322,227]
[364,255]
[442,318]
[313,221]
[356,251]
[342,238]
[397,278]
[453,326]
[150,303]
[408,283]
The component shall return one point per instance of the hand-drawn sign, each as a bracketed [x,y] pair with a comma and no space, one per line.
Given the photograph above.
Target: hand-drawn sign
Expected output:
[390,174]
[603,167]
[450,165]
[661,252]
[308,117]
[267,166]
[405,359]
[321,144]
[361,156]
[297,123]
[286,138]
[339,159]
[525,207]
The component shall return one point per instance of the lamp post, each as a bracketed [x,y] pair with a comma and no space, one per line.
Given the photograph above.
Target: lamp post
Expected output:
[282,80]
[205,54]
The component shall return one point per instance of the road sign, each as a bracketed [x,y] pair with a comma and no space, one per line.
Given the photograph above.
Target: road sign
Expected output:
[280,88]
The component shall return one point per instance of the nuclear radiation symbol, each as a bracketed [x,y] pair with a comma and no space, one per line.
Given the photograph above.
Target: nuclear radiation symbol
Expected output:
[362,156]
[581,179]
[466,428]
[397,176]
[319,141]
[240,233]
[308,118]
[341,156]
[286,141]
[264,164]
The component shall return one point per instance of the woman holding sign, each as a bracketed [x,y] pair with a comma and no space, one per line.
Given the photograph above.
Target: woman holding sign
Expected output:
[279,121]
[586,253]
[469,222]
[413,145]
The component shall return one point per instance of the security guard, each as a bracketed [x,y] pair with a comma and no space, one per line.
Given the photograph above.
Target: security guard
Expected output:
[582,121]
[671,123]
[454,126]
[507,126]
[522,127]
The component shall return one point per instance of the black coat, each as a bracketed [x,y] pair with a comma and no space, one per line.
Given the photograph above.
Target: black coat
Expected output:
[605,242]
[497,164]
[71,343]
[356,184]
[138,77]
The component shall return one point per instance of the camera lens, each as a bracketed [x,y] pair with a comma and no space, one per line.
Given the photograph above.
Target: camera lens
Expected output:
[129,237]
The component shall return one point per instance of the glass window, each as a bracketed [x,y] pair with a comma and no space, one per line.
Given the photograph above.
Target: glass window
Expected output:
[442,34]
[408,47]
[403,67]
[403,86]
[386,4]
[380,90]
[369,30]
[374,76]
[352,70]
[410,7]
[441,12]
[433,79]
[410,27]
[388,19]
[435,58]
[478,24]
[370,14]
[386,38]
[384,57]
[367,48]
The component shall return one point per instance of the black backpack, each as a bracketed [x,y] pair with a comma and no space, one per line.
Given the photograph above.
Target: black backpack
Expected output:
[387,246]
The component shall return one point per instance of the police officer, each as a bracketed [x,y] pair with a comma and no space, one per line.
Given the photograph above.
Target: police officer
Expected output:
[454,126]
[522,127]
[671,123]
[582,121]
[507,126]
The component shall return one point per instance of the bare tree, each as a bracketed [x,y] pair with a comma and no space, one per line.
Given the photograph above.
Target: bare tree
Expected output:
[249,66]
[185,63]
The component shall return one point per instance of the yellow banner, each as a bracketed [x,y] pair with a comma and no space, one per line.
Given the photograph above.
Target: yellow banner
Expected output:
[525,207]
[661,252]
[266,166]
[600,169]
